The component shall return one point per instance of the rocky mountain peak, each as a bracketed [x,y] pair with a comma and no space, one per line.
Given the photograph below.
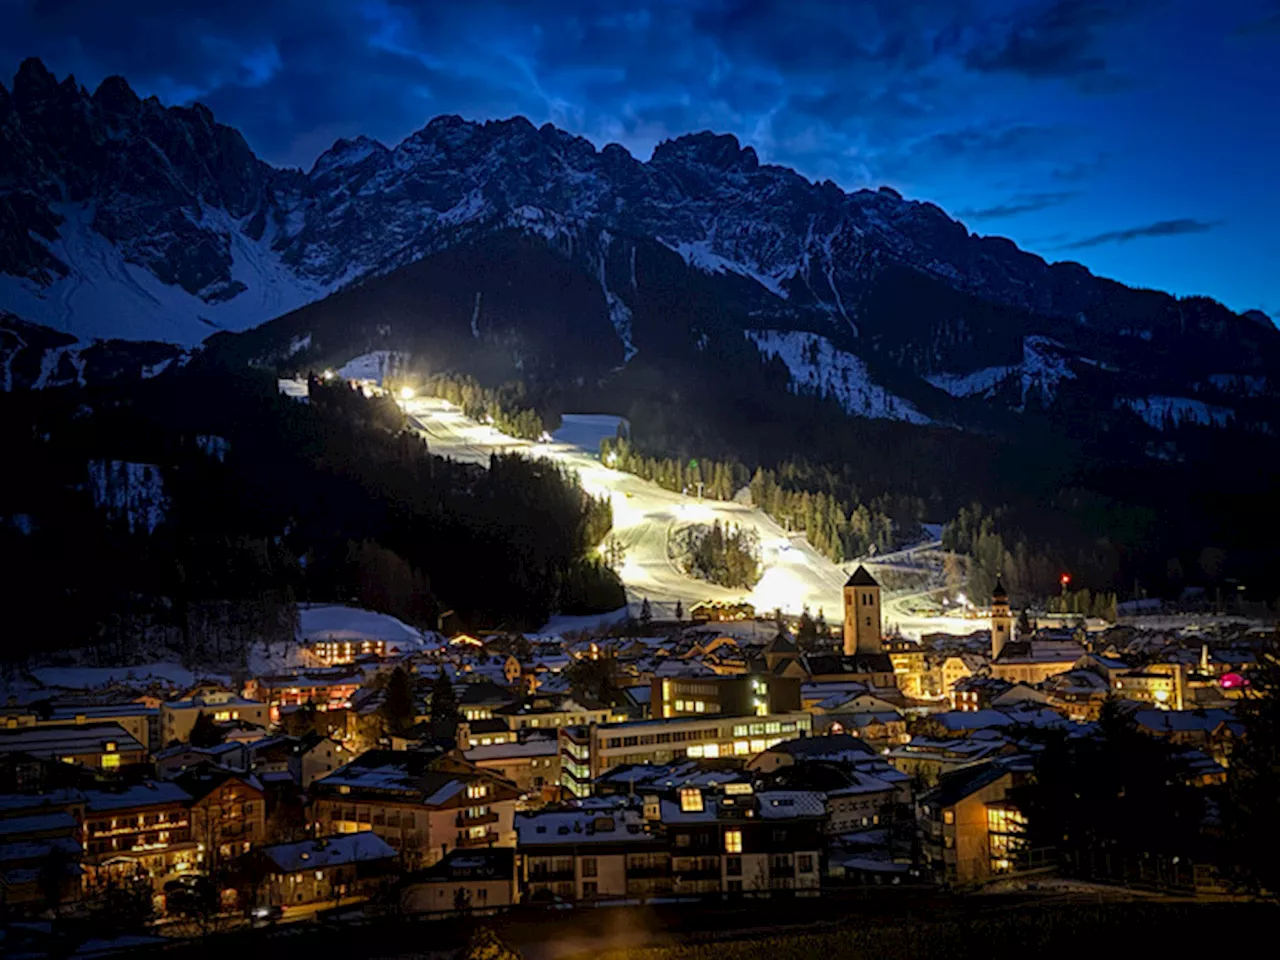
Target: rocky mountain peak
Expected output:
[719,150]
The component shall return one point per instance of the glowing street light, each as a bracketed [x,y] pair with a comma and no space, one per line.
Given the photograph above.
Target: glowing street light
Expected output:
[407,393]
[329,374]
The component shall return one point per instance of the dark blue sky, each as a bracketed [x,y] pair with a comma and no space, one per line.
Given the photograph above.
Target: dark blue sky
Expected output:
[1140,137]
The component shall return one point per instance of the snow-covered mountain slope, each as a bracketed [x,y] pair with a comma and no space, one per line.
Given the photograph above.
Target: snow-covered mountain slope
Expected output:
[122,218]
[817,366]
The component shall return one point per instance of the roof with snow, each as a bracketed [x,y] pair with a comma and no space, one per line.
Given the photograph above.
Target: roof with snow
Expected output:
[74,740]
[339,851]
[147,794]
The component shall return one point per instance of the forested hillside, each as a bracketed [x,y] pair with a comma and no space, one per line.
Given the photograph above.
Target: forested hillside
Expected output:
[161,512]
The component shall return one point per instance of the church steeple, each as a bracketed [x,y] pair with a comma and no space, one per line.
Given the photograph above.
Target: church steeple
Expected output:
[1001,620]
[862,627]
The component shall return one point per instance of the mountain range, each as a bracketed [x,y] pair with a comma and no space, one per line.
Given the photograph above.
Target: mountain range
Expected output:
[518,251]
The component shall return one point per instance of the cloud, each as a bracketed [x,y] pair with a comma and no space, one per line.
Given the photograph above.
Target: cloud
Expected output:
[1161,228]
[1057,39]
[1019,204]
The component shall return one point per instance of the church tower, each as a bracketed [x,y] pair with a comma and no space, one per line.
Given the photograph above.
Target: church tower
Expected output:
[1001,621]
[862,614]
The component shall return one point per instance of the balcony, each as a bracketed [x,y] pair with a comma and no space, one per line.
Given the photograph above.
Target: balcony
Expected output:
[484,819]
[487,840]
[550,876]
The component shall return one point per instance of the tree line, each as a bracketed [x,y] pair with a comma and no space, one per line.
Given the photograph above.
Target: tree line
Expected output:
[797,495]
[508,407]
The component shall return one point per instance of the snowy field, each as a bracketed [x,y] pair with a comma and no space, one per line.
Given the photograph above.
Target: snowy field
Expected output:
[341,622]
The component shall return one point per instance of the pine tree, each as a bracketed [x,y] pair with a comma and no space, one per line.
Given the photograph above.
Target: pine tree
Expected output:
[204,732]
[679,610]
[398,709]
[444,702]
[646,615]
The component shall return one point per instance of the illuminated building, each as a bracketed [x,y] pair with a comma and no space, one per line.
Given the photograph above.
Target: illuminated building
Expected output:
[177,717]
[1001,621]
[532,765]
[325,689]
[38,831]
[588,751]
[740,695]
[101,746]
[144,827]
[969,831]
[423,804]
[334,652]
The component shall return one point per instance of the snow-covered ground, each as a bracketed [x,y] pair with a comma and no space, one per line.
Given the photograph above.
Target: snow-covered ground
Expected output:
[560,625]
[644,515]
[376,365]
[817,365]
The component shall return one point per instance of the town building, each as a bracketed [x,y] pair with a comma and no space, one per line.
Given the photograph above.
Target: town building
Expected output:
[598,851]
[323,689]
[533,764]
[737,695]
[969,831]
[144,828]
[228,814]
[422,803]
[40,851]
[474,881]
[177,717]
[104,747]
[587,752]
[325,869]
[341,651]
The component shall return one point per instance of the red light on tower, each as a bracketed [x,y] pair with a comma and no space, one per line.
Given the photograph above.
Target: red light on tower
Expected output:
[1065,579]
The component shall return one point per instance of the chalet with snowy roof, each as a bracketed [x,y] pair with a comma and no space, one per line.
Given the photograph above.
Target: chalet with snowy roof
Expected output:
[478,881]
[326,869]
[423,803]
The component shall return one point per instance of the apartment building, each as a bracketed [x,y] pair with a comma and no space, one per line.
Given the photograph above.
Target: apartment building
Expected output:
[740,695]
[600,851]
[969,830]
[587,752]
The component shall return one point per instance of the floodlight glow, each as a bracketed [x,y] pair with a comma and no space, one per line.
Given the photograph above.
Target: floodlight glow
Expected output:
[407,393]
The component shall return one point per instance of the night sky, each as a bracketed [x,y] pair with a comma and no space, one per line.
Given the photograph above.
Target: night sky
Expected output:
[1140,137]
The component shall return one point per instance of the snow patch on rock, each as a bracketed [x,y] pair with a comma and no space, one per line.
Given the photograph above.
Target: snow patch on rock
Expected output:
[1164,412]
[818,366]
[375,365]
[129,492]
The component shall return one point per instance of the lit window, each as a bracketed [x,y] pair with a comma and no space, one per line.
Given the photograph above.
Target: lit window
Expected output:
[477,790]
[680,706]
[691,800]
[733,841]
[948,816]
[711,750]
[110,761]
[741,748]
